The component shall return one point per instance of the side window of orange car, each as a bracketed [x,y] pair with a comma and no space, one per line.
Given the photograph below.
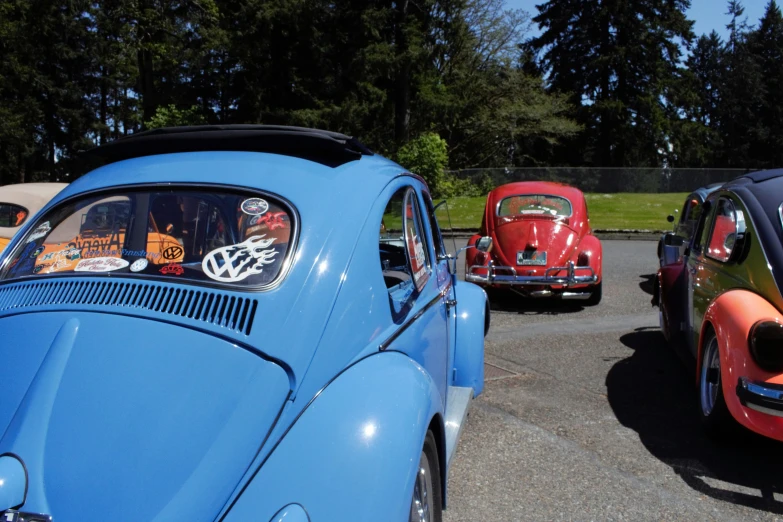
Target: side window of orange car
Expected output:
[704,226]
[724,231]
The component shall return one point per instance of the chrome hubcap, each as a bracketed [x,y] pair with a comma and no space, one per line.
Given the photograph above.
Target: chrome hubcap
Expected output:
[709,383]
[421,511]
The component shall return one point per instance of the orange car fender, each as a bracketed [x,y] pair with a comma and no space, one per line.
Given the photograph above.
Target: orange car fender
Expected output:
[732,315]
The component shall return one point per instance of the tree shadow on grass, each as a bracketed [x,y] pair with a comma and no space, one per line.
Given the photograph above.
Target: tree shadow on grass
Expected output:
[653,393]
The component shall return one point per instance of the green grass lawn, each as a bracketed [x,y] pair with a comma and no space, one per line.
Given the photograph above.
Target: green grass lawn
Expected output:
[607,211]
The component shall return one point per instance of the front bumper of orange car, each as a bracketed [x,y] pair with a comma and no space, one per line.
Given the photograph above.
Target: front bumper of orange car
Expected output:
[762,397]
[557,278]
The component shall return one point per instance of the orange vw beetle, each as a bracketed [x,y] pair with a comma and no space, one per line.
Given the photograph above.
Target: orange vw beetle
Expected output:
[722,304]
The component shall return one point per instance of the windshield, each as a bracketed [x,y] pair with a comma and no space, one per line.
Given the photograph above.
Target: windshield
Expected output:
[12,215]
[534,204]
[219,237]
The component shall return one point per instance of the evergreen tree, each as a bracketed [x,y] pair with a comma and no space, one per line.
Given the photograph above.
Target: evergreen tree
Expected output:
[742,98]
[766,44]
[617,59]
[695,105]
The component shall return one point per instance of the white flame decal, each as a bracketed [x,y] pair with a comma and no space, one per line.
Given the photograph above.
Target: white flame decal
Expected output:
[232,263]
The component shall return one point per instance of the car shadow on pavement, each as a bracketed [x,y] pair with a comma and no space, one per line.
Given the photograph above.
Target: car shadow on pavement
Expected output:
[505,301]
[648,283]
[652,393]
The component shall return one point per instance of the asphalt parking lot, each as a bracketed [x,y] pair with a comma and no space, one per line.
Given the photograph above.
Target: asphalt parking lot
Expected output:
[587,415]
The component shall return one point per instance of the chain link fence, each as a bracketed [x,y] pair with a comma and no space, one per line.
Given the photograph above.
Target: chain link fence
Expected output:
[603,180]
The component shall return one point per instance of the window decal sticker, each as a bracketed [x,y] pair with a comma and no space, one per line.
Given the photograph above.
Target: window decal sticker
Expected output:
[172,269]
[100,264]
[42,230]
[236,262]
[173,252]
[272,221]
[418,262]
[139,265]
[255,206]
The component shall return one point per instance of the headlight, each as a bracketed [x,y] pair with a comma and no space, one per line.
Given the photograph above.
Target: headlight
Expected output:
[766,345]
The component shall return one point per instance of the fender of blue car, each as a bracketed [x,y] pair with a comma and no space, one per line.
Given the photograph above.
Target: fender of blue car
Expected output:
[472,326]
[354,451]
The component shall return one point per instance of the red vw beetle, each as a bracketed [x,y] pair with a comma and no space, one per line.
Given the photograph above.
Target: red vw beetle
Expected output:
[542,244]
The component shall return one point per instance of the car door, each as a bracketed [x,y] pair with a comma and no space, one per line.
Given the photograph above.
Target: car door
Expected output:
[695,276]
[707,269]
[442,275]
[411,271]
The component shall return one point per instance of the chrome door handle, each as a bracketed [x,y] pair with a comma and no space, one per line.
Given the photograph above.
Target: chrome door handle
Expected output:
[450,303]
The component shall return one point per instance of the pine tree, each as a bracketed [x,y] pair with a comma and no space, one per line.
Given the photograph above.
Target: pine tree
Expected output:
[742,98]
[617,59]
[766,44]
[695,104]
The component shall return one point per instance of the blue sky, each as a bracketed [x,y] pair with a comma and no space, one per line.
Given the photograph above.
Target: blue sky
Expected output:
[708,14]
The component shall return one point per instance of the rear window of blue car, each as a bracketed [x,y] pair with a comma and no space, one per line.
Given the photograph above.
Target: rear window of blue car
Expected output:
[233,238]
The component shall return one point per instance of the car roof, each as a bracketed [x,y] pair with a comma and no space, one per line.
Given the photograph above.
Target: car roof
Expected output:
[762,194]
[292,159]
[704,192]
[765,187]
[325,147]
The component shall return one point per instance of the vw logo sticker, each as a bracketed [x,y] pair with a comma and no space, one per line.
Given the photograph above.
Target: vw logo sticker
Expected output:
[234,263]
[139,265]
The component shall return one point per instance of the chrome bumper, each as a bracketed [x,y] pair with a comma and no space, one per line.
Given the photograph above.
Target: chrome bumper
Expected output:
[507,275]
[764,397]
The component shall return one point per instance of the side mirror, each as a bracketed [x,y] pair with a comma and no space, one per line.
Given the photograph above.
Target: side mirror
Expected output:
[670,218]
[484,244]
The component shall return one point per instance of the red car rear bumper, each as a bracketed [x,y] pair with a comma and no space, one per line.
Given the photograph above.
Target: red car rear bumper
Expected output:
[561,276]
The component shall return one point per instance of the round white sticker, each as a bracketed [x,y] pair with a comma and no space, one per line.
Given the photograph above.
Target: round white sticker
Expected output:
[139,265]
[254,206]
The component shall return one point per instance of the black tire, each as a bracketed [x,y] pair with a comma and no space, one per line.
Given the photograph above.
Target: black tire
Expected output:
[713,412]
[427,508]
[595,297]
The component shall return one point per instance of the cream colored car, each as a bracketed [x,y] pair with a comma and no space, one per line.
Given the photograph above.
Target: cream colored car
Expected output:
[20,202]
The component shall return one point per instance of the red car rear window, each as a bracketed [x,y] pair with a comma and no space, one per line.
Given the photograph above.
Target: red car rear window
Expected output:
[534,204]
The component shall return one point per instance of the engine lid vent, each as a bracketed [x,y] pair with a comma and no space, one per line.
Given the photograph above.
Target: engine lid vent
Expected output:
[222,309]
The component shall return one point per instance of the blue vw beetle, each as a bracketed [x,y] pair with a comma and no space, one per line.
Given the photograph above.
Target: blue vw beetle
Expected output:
[234,323]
